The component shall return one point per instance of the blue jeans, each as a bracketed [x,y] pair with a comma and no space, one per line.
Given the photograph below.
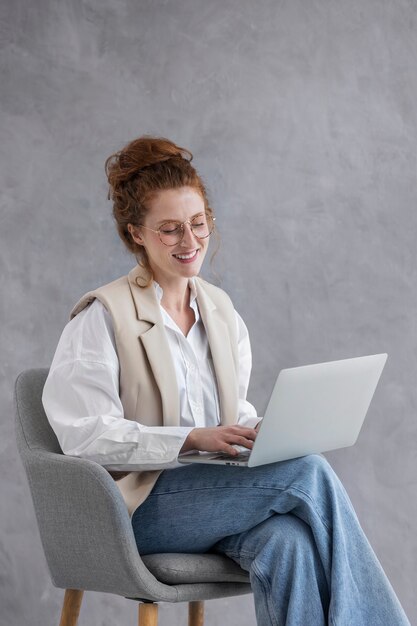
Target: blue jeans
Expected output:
[291,525]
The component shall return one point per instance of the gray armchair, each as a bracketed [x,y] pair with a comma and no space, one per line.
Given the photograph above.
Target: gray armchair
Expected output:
[86,531]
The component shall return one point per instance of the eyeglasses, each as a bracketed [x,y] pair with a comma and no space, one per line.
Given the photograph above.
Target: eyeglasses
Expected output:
[171,233]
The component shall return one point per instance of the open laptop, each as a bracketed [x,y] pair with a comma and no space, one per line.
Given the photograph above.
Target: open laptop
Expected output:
[312,409]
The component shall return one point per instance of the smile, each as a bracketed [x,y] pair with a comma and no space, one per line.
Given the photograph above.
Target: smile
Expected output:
[187,258]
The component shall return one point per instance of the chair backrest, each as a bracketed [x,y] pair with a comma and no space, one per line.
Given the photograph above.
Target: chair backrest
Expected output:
[33,431]
[77,504]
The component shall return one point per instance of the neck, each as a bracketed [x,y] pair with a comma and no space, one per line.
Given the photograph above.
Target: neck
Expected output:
[176,294]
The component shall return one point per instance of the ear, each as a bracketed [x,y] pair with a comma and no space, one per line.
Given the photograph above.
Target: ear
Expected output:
[135,234]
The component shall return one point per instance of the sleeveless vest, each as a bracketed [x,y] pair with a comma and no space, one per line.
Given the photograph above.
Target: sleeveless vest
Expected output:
[147,381]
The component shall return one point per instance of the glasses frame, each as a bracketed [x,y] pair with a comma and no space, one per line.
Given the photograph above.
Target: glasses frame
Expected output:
[181,224]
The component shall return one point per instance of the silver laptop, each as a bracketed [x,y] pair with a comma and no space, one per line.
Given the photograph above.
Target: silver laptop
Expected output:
[312,409]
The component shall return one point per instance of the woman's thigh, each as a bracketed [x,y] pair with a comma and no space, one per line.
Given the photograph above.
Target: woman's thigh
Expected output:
[193,507]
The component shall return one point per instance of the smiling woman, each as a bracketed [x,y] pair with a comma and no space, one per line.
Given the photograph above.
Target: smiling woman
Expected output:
[157,363]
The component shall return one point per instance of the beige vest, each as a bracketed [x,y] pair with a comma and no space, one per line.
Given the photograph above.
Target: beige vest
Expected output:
[148,388]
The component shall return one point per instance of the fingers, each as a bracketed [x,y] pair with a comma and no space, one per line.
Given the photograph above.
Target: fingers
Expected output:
[231,449]
[220,438]
[230,439]
[243,431]
[227,449]
[243,441]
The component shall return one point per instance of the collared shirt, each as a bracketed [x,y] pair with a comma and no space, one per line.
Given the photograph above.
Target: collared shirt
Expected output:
[81,394]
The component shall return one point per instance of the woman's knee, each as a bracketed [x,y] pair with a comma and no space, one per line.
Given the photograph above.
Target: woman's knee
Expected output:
[317,468]
[316,462]
[270,541]
[283,533]
[284,542]
[312,467]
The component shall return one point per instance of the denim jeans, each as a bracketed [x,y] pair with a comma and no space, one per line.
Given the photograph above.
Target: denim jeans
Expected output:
[290,524]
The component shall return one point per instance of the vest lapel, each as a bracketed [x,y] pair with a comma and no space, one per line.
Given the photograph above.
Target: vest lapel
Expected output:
[219,339]
[153,337]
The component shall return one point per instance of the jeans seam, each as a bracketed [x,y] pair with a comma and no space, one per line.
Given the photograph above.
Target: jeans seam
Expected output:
[289,489]
[332,621]
[210,488]
[267,592]
[313,504]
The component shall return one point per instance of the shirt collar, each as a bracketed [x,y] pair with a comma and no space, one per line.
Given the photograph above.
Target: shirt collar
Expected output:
[193,293]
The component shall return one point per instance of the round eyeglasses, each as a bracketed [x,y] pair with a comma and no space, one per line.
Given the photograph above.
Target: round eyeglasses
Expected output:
[171,232]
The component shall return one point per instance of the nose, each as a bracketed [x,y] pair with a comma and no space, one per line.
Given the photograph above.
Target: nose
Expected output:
[188,239]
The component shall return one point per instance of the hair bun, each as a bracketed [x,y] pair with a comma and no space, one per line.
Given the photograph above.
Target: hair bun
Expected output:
[140,154]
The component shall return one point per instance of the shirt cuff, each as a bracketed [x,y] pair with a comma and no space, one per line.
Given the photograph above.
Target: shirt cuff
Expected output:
[158,448]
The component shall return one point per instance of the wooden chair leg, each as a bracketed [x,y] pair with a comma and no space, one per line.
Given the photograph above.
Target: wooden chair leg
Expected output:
[196,613]
[148,614]
[71,607]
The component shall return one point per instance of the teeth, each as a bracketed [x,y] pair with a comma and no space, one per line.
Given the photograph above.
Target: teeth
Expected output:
[186,256]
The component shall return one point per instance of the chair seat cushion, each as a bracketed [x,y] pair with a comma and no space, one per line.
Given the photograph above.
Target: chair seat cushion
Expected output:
[175,569]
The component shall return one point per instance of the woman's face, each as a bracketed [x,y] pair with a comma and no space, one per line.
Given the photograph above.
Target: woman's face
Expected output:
[177,205]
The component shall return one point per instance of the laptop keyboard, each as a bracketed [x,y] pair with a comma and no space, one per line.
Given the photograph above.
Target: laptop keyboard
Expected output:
[229,457]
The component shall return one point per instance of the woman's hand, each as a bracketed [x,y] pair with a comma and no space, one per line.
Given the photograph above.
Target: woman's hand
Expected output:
[219,439]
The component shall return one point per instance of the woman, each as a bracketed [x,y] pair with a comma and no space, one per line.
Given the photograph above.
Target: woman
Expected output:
[157,363]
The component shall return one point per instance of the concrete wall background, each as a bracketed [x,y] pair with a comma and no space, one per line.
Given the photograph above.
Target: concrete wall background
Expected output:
[301,116]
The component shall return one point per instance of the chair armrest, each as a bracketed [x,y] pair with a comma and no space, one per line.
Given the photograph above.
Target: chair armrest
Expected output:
[85,528]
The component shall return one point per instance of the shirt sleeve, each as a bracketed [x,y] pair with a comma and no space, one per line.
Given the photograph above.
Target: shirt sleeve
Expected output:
[247,412]
[82,403]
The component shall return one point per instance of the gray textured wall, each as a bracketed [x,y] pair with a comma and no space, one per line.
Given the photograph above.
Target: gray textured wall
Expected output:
[302,118]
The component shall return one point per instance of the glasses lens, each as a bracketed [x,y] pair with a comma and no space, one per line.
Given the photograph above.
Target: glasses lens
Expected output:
[202,225]
[170,233]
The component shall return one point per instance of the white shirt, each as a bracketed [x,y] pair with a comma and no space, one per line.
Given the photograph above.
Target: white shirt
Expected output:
[81,394]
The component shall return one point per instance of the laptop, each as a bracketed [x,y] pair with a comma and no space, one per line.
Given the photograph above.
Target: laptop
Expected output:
[312,409]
